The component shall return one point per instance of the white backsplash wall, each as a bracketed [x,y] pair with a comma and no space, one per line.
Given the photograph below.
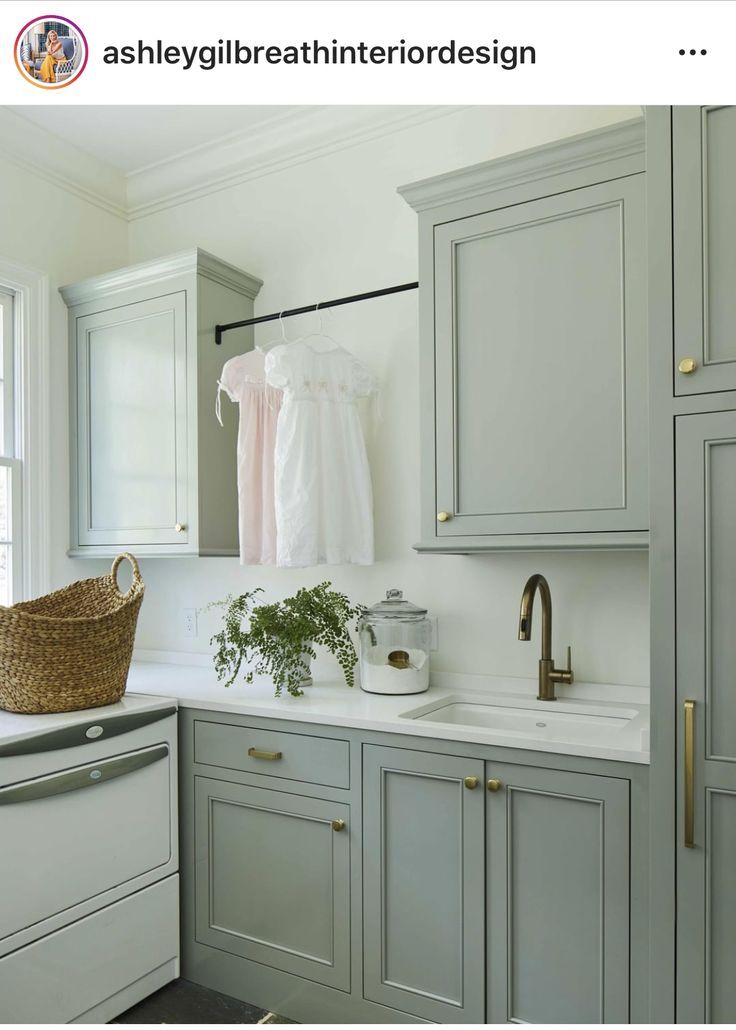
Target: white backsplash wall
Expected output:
[331,226]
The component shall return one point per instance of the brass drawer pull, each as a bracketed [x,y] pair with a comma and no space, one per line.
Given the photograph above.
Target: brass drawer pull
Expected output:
[687,366]
[471,782]
[270,756]
[494,785]
[338,824]
[443,516]
[689,774]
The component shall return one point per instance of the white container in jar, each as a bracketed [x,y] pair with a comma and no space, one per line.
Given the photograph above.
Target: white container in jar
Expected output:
[394,647]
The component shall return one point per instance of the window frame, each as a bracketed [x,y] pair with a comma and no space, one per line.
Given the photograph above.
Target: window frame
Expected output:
[31,431]
[8,454]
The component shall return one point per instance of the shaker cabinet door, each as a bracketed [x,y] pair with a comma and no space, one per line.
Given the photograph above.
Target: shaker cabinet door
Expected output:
[706,693]
[558,897]
[131,424]
[541,368]
[272,879]
[424,884]
[704,238]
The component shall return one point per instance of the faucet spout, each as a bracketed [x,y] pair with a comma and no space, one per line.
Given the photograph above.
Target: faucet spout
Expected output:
[535,583]
[548,674]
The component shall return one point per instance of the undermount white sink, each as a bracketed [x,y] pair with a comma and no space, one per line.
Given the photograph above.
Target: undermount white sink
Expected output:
[551,721]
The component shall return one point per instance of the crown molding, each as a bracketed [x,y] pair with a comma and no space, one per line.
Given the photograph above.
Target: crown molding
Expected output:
[289,138]
[28,147]
[191,262]
[623,142]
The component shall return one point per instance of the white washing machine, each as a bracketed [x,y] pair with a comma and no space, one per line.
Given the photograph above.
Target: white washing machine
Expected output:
[89,886]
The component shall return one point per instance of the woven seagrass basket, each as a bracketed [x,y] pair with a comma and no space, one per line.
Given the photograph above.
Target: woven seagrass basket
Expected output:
[70,649]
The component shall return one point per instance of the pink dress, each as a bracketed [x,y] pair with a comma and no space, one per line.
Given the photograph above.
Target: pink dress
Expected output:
[244,381]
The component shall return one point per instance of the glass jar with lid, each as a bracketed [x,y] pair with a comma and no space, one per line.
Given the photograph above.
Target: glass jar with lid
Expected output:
[395,636]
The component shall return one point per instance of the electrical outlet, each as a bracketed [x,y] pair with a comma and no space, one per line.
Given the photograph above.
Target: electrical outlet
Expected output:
[434,644]
[189,622]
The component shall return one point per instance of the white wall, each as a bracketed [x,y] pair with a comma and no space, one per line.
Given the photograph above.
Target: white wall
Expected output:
[335,225]
[50,229]
[331,226]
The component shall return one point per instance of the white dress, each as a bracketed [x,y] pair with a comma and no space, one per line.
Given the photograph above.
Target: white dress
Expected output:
[323,496]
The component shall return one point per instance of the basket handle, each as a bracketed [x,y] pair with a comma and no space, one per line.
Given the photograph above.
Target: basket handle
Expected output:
[137,578]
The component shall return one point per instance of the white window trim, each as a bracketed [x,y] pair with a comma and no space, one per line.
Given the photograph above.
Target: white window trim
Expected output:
[33,441]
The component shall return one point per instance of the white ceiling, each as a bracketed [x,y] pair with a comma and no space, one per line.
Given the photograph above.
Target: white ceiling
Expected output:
[132,138]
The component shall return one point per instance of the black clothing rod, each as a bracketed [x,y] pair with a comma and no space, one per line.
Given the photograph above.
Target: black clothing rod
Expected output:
[220,329]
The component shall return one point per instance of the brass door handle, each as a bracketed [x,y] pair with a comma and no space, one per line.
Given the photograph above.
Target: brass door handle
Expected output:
[179,527]
[494,785]
[471,782]
[689,774]
[443,516]
[338,824]
[687,366]
[270,756]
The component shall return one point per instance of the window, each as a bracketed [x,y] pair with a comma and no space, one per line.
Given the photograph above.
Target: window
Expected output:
[10,465]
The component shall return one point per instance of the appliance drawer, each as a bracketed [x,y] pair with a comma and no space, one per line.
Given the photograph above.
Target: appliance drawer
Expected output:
[65,975]
[286,756]
[72,835]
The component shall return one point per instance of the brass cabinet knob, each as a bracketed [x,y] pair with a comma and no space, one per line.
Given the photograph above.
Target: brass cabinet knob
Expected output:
[687,366]
[494,785]
[471,782]
[179,527]
[443,516]
[338,824]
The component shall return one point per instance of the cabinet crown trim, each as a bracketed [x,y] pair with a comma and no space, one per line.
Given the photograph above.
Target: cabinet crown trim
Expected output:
[195,261]
[614,142]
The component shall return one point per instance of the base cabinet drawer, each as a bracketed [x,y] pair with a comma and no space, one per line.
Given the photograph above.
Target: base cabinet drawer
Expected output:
[272,879]
[273,754]
[76,970]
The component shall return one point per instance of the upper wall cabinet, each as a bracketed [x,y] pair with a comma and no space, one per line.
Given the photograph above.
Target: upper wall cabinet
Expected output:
[533,348]
[151,469]
[704,237]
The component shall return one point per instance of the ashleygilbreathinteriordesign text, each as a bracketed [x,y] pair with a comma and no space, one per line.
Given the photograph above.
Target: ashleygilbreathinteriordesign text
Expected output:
[505,56]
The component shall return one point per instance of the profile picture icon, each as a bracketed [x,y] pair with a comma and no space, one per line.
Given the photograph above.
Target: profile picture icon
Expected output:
[51,52]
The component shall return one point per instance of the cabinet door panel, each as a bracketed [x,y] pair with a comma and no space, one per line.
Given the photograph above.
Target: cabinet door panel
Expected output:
[558,897]
[131,428]
[541,366]
[273,879]
[704,227]
[706,601]
[423,881]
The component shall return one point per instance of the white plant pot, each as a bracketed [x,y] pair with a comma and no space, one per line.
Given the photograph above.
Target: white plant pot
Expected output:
[307,680]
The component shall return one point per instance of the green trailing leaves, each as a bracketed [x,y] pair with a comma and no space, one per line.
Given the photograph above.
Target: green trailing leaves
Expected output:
[273,639]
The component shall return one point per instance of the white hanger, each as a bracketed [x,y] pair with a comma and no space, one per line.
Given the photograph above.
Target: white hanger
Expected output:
[320,331]
[264,348]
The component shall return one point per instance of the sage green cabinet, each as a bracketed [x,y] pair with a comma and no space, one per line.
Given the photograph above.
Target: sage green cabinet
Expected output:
[272,879]
[546,854]
[704,247]
[151,469]
[423,884]
[557,863]
[533,348]
[706,658]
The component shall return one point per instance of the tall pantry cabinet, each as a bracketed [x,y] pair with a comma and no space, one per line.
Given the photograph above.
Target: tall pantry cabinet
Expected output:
[691,153]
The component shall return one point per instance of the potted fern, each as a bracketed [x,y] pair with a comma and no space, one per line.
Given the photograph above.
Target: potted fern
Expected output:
[279,639]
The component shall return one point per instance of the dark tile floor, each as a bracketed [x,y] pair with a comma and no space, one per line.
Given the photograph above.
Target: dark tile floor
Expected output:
[184,1002]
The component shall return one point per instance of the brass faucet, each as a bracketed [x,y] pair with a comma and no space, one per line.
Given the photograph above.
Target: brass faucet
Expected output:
[548,675]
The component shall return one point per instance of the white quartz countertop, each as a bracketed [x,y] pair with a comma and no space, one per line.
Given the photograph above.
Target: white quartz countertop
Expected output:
[333,704]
